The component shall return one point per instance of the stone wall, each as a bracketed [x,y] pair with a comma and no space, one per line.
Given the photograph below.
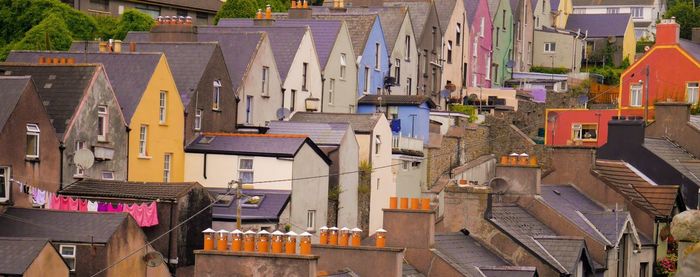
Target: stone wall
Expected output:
[462,143]
[506,138]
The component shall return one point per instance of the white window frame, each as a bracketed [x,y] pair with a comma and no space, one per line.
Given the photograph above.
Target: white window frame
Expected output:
[636,95]
[377,144]
[343,65]
[637,12]
[577,131]
[368,76]
[79,144]
[692,92]
[458,34]
[34,131]
[167,166]
[612,10]
[488,66]
[409,85]
[143,141]
[407,50]
[67,257]
[102,115]
[107,175]
[550,47]
[311,220]
[397,72]
[377,56]
[246,170]
[162,106]
[216,97]
[305,76]
[198,120]
[331,91]
[265,80]
[481,27]
[449,51]
[249,109]
[5,183]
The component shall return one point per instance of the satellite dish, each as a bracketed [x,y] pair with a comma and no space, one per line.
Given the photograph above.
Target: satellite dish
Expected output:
[84,158]
[445,93]
[153,259]
[283,113]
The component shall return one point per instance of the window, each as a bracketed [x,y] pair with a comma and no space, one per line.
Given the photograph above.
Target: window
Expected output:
[107,175]
[579,11]
[161,106]
[622,256]
[433,86]
[4,184]
[153,11]
[293,100]
[377,56]
[311,220]
[481,27]
[435,39]
[202,18]
[397,71]
[99,5]
[198,120]
[449,51]
[458,36]
[637,12]
[613,10]
[343,65]
[465,66]
[143,140]
[331,91]
[488,66]
[304,76]
[216,98]
[407,49]
[265,80]
[249,109]
[68,254]
[691,93]
[32,149]
[245,170]
[377,143]
[643,268]
[550,47]
[367,77]
[636,96]
[584,131]
[495,72]
[167,160]
[409,86]
[102,123]
[79,145]
[498,31]
[503,20]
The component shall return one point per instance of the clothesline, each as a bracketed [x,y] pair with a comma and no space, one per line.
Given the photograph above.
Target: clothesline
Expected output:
[39,196]
[145,214]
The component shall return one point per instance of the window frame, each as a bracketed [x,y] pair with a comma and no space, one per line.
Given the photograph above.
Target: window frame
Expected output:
[409,84]
[143,141]
[111,173]
[162,107]
[67,257]
[481,27]
[304,77]
[265,80]
[550,47]
[331,91]
[293,99]
[5,175]
[636,89]
[167,166]
[377,56]
[79,144]
[449,51]
[696,93]
[397,71]
[377,144]
[198,119]
[581,127]
[458,34]
[102,115]
[637,12]
[612,10]
[343,66]
[250,170]
[407,50]
[249,109]
[310,220]
[368,77]
[32,129]
[216,97]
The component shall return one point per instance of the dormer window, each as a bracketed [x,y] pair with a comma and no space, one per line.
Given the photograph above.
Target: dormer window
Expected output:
[32,150]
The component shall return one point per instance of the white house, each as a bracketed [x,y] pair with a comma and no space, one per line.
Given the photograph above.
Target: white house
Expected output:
[267,162]
[644,13]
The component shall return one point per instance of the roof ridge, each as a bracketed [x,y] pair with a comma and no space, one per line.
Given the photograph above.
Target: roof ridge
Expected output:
[222,134]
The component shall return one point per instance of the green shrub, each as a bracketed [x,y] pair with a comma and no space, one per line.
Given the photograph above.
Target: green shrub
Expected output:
[549,70]
[465,109]
[50,34]
[611,75]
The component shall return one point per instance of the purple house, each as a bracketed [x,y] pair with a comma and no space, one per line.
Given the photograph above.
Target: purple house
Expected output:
[479,43]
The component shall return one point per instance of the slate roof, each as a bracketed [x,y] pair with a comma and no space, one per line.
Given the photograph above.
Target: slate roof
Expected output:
[445,8]
[60,87]
[465,251]
[675,156]
[599,25]
[568,201]
[471,6]
[266,145]
[132,190]
[187,61]
[129,73]
[655,200]
[407,270]
[361,123]
[324,32]
[270,209]
[419,13]
[509,271]
[19,253]
[12,89]
[399,100]
[515,8]
[61,226]
[284,41]
[239,49]
[567,250]
[554,4]
[691,47]
[320,133]
[493,7]
[610,224]
[206,5]
[613,2]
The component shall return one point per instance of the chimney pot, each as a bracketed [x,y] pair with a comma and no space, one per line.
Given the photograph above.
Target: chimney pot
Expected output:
[268,12]
[294,4]
[258,15]
[42,60]
[306,4]
[132,46]
[117,46]
[70,60]
[54,60]
[188,20]
[62,60]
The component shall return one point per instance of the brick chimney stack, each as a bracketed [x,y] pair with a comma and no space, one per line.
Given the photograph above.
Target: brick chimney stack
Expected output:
[667,32]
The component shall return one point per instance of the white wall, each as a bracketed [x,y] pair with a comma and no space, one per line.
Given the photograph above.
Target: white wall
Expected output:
[264,107]
[453,71]
[308,194]
[409,65]
[383,185]
[348,162]
[345,91]
[221,169]
[305,54]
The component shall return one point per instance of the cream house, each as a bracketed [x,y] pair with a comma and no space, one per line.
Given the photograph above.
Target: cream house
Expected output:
[455,33]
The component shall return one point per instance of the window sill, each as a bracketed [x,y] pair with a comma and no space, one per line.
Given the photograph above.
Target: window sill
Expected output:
[144,157]
[31,159]
[265,96]
[79,177]
[102,141]
[216,110]
[163,124]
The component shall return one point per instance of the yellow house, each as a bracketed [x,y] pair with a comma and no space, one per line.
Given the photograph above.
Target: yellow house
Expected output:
[560,12]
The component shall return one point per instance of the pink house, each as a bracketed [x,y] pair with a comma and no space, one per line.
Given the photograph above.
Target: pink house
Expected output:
[479,63]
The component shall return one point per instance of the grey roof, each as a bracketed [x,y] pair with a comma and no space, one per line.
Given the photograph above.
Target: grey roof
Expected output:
[493,7]
[407,270]
[399,100]
[133,190]
[129,73]
[445,8]
[361,123]
[465,251]
[568,201]
[187,61]
[61,226]
[515,9]
[60,87]
[675,156]
[419,13]
[599,25]
[610,224]
[324,32]
[320,133]
[509,271]
[567,250]
[270,209]
[613,2]
[359,27]
[239,50]
[284,41]
[471,6]
[691,47]
[19,253]
[554,4]
[12,89]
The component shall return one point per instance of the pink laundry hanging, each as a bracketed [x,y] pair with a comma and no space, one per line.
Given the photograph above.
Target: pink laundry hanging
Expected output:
[118,209]
[82,205]
[135,212]
[55,202]
[73,204]
[150,217]
[65,203]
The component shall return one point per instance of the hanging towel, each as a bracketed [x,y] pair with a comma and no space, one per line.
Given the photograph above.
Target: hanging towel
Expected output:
[118,209]
[65,203]
[82,205]
[150,216]
[55,202]
[102,207]
[73,204]
[396,125]
[38,196]
[137,212]
[92,206]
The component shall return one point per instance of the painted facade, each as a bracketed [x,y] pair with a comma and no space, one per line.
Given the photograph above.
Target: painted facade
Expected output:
[480,43]
[404,56]
[543,14]
[414,118]
[580,127]
[340,90]
[502,20]
[567,50]
[376,148]
[645,13]
[561,10]
[258,104]
[304,76]
[524,21]
[373,63]
[455,48]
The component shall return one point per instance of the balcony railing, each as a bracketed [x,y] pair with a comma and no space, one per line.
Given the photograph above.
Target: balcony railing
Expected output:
[399,143]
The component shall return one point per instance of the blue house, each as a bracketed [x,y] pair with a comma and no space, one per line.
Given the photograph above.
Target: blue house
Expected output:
[370,49]
[409,114]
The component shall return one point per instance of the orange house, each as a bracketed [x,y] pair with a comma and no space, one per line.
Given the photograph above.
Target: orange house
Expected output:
[668,72]
[579,127]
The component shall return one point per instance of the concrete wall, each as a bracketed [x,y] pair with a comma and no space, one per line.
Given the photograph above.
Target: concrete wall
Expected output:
[409,180]
[382,183]
[409,64]
[127,239]
[362,260]
[264,106]
[566,55]
[47,263]
[481,170]
[306,53]
[344,99]
[221,169]
[672,121]
[347,183]
[219,263]
[368,60]
[311,193]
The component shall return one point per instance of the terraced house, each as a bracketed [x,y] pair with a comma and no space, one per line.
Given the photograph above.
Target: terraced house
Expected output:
[502,24]
[202,12]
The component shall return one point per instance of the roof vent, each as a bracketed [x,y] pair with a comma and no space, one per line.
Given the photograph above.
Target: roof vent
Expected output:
[206,140]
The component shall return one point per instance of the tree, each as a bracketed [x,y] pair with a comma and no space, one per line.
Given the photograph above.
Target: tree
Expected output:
[52,33]
[686,15]
[106,26]
[237,9]
[133,20]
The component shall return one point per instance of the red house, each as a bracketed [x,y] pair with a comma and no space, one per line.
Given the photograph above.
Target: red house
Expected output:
[668,72]
[577,127]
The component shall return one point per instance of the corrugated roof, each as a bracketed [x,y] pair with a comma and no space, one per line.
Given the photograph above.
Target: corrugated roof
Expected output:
[78,227]
[129,73]
[399,100]
[361,123]
[320,133]
[131,190]
[599,25]
[284,41]
[60,87]
[19,253]
[324,32]
[270,209]
[568,201]
[675,156]
[613,2]
[12,89]
[419,13]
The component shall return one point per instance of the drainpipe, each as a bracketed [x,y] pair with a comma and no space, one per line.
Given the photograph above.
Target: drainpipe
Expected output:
[170,235]
[204,170]
[128,135]
[61,147]
[323,87]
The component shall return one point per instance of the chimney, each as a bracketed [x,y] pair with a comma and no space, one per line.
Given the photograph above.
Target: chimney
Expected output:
[338,6]
[103,47]
[465,206]
[667,32]
[173,29]
[695,36]
[264,19]
[519,175]
[625,135]
[302,10]
[410,228]
[132,46]
[117,46]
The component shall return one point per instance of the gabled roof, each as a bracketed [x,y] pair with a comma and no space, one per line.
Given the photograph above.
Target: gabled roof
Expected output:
[398,100]
[419,13]
[266,145]
[239,50]
[361,123]
[131,190]
[554,4]
[320,133]
[465,251]
[675,156]
[655,200]
[567,250]
[599,25]
[691,47]
[471,6]
[206,5]
[129,73]
[613,2]
[568,201]
[493,7]
[324,32]
[19,253]
[445,9]
[187,60]
[285,41]
[611,224]
[60,87]
[61,226]
[272,205]
[12,89]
